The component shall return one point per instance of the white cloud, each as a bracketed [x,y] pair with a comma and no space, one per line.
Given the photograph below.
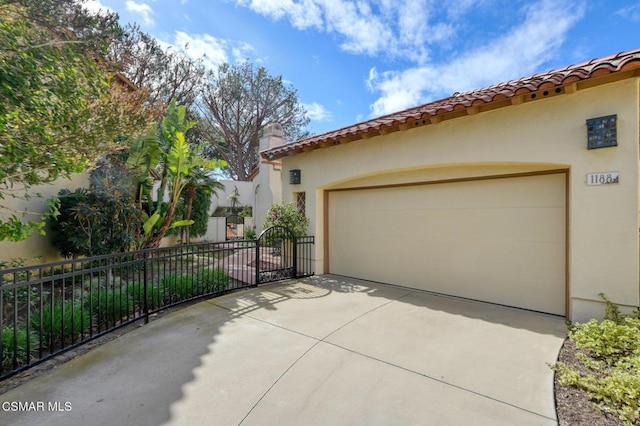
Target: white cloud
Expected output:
[143,9]
[631,12]
[364,32]
[460,7]
[399,89]
[389,27]
[212,50]
[241,51]
[94,6]
[317,112]
[303,14]
[416,30]
[519,52]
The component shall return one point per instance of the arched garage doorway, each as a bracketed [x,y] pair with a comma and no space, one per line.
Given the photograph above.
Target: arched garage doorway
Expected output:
[499,239]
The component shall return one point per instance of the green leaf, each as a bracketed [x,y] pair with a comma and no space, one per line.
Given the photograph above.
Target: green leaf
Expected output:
[14,230]
[150,223]
[180,223]
[178,160]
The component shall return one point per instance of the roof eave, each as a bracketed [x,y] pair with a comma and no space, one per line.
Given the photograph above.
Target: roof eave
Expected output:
[561,82]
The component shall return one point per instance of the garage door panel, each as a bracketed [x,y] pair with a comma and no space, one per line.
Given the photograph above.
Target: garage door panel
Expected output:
[543,224]
[478,195]
[499,240]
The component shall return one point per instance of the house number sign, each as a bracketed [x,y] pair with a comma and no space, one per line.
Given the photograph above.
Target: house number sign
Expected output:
[604,178]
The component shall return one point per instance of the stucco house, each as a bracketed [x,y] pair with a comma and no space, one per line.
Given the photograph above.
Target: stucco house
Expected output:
[523,194]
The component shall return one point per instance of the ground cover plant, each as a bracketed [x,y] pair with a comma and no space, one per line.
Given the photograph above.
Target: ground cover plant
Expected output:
[606,364]
[60,322]
[109,306]
[26,345]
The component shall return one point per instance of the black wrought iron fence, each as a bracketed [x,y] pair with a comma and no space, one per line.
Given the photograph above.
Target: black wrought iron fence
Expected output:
[50,308]
[304,256]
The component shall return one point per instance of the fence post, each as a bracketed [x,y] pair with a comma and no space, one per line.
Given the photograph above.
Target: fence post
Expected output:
[145,286]
[1,318]
[295,256]
[257,261]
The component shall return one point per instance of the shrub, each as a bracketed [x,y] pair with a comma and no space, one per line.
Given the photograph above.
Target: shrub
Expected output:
[66,320]
[181,287]
[155,295]
[22,357]
[186,289]
[611,359]
[178,287]
[250,233]
[92,223]
[247,211]
[200,212]
[608,341]
[287,215]
[110,306]
[212,280]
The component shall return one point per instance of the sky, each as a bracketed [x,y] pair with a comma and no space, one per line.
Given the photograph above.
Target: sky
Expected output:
[351,61]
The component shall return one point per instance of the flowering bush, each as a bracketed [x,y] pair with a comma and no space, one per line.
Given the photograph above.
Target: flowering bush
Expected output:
[287,215]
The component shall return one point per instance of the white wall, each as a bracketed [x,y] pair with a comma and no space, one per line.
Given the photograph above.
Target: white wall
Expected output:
[216,230]
[221,198]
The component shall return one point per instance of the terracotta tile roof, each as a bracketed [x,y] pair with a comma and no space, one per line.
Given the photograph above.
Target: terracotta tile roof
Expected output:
[565,80]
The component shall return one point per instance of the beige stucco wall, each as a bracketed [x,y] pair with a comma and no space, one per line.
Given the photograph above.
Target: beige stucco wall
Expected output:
[36,245]
[603,221]
[267,185]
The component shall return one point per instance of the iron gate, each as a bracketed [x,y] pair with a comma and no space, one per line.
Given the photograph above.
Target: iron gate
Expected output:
[276,255]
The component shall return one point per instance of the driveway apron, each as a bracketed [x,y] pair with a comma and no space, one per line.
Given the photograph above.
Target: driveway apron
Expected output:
[324,350]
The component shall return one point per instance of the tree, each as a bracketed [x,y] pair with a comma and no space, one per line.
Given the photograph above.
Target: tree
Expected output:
[59,107]
[238,102]
[166,74]
[66,22]
[166,153]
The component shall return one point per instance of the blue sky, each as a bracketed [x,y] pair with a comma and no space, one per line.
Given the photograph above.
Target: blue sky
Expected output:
[354,60]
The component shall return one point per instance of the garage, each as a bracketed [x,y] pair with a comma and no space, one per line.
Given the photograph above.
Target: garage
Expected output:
[499,239]
[497,194]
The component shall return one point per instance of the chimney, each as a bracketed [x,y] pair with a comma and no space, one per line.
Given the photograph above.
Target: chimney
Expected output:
[268,184]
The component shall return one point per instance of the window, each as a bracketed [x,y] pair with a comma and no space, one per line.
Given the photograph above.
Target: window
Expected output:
[301,202]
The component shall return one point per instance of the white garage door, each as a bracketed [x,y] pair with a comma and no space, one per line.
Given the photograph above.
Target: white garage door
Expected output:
[497,240]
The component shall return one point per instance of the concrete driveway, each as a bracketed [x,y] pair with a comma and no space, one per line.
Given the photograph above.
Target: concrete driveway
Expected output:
[319,351]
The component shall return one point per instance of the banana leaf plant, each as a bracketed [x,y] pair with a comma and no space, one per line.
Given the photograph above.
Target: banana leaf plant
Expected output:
[165,155]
